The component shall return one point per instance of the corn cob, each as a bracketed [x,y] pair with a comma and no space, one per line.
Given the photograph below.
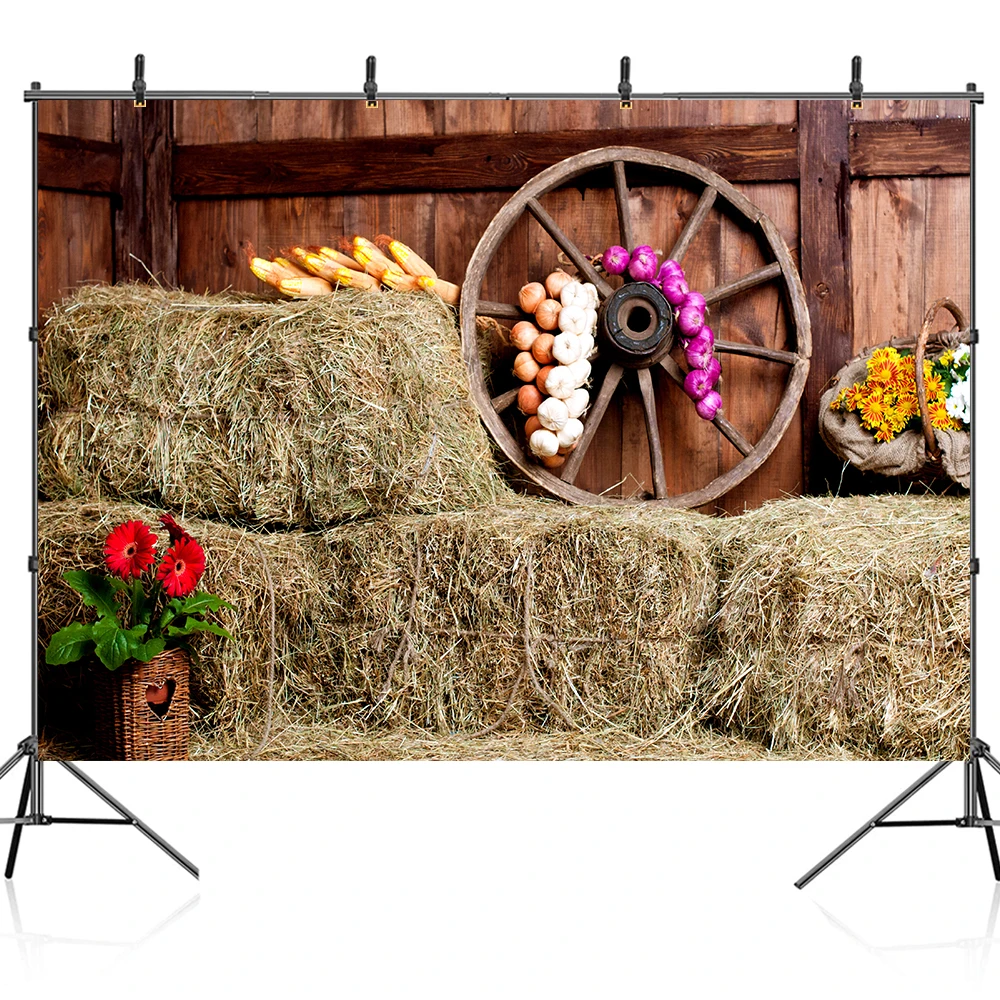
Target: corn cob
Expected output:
[298,288]
[264,269]
[409,261]
[443,289]
[401,282]
[369,256]
[338,258]
[354,279]
[286,269]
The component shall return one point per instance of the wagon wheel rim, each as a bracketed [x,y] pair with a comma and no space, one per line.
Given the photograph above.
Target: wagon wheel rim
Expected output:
[491,408]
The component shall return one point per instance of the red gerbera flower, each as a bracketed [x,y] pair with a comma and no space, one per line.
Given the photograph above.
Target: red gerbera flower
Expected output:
[130,549]
[182,567]
[176,532]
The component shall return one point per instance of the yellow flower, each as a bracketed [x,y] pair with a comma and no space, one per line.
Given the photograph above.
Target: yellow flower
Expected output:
[947,357]
[873,409]
[884,433]
[856,396]
[941,419]
[838,401]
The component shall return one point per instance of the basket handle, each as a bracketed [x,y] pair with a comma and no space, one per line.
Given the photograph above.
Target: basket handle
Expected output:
[918,366]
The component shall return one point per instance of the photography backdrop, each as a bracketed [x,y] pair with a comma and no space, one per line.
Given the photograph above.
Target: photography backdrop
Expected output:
[873,203]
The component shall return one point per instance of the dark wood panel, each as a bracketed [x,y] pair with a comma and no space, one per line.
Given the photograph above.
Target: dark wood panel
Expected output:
[82,119]
[146,216]
[908,148]
[74,243]
[213,239]
[825,265]
[86,165]
[461,162]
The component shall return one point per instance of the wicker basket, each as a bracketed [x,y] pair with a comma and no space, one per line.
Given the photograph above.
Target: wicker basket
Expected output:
[142,709]
[914,452]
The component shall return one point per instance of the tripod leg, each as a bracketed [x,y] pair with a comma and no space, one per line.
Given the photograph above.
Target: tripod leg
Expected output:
[22,811]
[871,824]
[136,822]
[991,837]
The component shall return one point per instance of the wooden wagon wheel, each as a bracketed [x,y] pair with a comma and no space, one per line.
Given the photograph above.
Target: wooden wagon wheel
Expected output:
[714,187]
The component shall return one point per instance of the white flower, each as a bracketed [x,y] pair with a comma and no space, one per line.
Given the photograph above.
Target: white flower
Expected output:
[957,403]
[960,354]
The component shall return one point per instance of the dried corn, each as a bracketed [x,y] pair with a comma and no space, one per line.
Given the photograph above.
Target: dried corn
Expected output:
[264,269]
[445,290]
[369,256]
[401,282]
[409,261]
[298,288]
[338,258]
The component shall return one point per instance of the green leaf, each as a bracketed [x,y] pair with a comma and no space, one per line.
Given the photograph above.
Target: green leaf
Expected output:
[115,645]
[69,644]
[145,651]
[195,625]
[142,606]
[199,603]
[96,590]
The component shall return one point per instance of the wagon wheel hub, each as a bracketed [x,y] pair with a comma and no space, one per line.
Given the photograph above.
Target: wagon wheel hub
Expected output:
[636,326]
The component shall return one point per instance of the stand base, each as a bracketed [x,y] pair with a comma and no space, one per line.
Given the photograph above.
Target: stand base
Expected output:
[975,789]
[31,811]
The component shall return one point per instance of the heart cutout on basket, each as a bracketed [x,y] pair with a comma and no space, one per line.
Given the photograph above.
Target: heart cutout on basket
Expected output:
[160,696]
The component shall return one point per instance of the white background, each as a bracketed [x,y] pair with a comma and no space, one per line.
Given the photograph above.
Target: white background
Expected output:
[456,880]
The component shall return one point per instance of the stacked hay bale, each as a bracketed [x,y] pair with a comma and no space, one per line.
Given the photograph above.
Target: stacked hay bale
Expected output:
[844,625]
[286,413]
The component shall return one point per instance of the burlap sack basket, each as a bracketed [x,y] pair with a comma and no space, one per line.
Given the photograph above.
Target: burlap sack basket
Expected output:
[940,452]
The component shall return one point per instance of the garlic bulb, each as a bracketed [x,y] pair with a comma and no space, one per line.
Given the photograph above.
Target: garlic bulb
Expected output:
[553,413]
[591,320]
[573,319]
[579,372]
[574,294]
[586,342]
[592,296]
[567,347]
[569,433]
[560,381]
[577,403]
[543,443]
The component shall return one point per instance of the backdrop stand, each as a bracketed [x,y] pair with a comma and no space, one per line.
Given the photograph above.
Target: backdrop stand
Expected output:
[31,808]
[974,786]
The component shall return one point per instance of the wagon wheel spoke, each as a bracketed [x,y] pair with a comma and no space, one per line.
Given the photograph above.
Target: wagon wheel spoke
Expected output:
[624,214]
[694,223]
[572,467]
[653,433]
[754,351]
[505,400]
[568,247]
[498,310]
[750,280]
[728,431]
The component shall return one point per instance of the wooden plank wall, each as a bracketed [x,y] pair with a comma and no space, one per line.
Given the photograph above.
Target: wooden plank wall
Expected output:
[74,228]
[905,238]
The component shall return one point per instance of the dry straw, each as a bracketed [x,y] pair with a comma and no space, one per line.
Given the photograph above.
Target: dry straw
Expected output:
[845,624]
[284,413]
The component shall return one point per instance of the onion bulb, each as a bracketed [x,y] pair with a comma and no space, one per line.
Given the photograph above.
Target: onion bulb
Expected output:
[542,348]
[554,283]
[531,425]
[615,260]
[523,335]
[525,367]
[669,267]
[543,443]
[709,406]
[553,413]
[569,433]
[553,461]
[531,296]
[694,299]
[674,288]
[643,265]
[577,403]
[697,384]
[690,320]
[699,349]
[567,347]
[547,314]
[528,399]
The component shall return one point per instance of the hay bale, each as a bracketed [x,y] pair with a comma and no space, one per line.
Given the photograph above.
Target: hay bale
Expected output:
[282,413]
[845,623]
[230,679]
[528,614]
